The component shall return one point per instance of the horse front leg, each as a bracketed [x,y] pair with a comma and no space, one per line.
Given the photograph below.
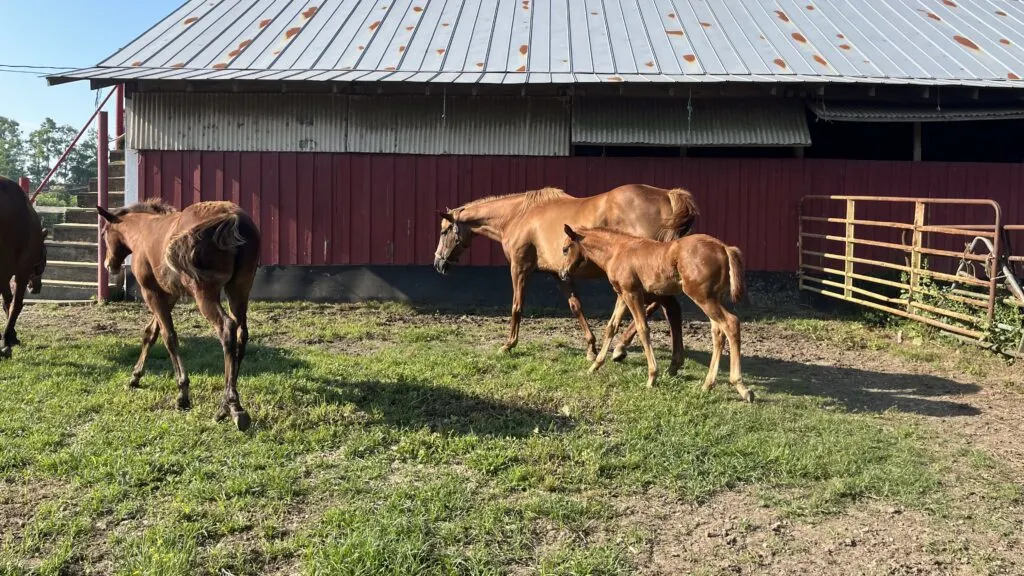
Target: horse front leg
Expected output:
[627,337]
[518,289]
[13,312]
[569,291]
[149,336]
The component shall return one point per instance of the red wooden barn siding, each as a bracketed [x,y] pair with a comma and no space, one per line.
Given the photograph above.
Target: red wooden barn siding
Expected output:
[337,209]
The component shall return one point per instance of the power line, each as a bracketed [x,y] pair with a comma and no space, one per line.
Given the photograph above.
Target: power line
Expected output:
[29,72]
[38,67]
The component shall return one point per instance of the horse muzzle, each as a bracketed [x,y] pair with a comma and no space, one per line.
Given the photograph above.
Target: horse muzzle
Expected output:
[563,275]
[441,266]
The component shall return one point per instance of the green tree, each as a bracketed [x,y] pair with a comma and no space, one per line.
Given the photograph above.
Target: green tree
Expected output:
[43,150]
[12,149]
[47,143]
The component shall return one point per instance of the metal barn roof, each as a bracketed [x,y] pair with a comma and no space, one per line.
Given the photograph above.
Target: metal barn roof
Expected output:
[924,42]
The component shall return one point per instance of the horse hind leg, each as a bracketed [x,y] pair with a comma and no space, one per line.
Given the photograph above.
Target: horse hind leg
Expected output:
[7,339]
[674,315]
[227,332]
[8,300]
[722,321]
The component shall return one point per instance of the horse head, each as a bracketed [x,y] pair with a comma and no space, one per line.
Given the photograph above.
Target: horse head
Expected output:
[455,238]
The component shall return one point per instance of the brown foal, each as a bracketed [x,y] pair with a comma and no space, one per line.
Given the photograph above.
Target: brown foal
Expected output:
[203,251]
[700,266]
[529,227]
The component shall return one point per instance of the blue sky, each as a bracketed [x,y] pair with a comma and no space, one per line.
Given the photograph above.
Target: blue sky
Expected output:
[77,33]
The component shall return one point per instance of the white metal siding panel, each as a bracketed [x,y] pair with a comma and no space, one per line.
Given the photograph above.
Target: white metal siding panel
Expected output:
[238,122]
[669,123]
[338,123]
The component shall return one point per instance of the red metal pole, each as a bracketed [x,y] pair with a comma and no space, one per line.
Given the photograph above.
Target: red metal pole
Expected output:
[25,184]
[119,121]
[102,169]
[68,151]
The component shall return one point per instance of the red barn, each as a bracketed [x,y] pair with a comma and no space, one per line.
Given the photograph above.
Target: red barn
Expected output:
[341,126]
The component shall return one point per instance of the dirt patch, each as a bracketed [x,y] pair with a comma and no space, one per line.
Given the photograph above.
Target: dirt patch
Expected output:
[734,534]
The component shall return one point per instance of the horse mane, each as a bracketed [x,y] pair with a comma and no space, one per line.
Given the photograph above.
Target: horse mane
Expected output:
[151,206]
[530,198]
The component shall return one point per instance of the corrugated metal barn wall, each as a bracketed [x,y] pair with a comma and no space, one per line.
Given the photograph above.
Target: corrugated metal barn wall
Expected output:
[341,209]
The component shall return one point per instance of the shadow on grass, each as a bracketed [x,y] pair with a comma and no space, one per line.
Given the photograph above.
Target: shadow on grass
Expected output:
[442,409]
[408,405]
[203,355]
[852,389]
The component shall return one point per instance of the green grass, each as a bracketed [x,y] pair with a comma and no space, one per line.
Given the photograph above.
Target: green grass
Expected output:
[390,443]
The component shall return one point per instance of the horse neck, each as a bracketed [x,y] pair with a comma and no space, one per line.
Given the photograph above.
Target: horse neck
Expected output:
[134,228]
[490,217]
[598,248]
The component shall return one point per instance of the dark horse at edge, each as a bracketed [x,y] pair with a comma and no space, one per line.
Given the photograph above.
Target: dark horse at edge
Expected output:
[22,256]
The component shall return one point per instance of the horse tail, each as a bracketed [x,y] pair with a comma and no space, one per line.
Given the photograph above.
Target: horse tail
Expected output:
[737,284]
[684,214]
[185,251]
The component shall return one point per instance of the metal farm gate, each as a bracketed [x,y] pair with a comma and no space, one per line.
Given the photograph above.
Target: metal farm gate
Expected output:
[946,262]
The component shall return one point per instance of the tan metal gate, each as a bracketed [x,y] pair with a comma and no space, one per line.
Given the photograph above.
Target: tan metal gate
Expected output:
[835,233]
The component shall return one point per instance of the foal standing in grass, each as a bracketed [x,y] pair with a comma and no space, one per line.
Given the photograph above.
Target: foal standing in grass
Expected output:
[700,266]
[202,251]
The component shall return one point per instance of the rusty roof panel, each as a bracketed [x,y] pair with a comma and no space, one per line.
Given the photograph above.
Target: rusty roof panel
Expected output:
[977,43]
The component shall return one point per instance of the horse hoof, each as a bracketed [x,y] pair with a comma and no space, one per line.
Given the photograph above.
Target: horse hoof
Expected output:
[506,349]
[650,381]
[591,355]
[594,368]
[242,420]
[749,397]
[5,351]
[222,413]
[134,383]
[619,355]
[184,403]
[673,370]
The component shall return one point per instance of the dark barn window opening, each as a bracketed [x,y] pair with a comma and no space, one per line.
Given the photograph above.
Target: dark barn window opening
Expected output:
[973,141]
[860,140]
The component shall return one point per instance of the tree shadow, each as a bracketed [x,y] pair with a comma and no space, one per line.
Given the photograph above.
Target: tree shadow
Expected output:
[852,389]
[442,409]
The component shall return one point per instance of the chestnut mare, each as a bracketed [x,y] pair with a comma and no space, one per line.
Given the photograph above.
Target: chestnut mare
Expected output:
[22,256]
[206,249]
[529,227]
[700,266]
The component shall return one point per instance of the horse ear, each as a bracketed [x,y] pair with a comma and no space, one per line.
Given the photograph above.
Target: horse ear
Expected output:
[571,233]
[107,215]
[446,216]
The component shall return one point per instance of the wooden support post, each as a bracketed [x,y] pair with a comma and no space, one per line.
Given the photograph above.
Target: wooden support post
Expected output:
[851,209]
[917,141]
[102,182]
[119,118]
[915,253]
